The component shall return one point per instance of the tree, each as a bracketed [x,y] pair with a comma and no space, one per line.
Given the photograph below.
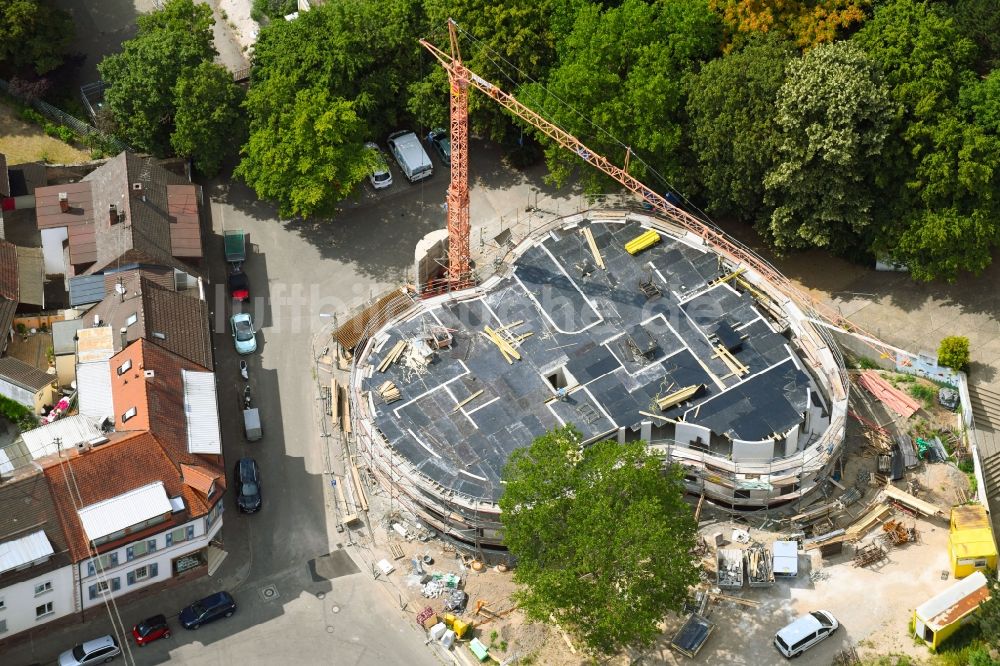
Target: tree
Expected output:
[508,43]
[355,55]
[806,22]
[602,537]
[733,127]
[309,156]
[33,34]
[941,167]
[833,112]
[979,20]
[619,80]
[142,78]
[208,124]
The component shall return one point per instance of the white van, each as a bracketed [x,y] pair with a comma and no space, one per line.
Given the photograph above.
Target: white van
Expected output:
[805,632]
[411,156]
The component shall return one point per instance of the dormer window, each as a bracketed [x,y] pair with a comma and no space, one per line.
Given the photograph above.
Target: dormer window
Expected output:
[132,318]
[125,367]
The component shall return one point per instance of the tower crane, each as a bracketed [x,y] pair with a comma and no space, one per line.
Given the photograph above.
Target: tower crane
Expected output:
[460,78]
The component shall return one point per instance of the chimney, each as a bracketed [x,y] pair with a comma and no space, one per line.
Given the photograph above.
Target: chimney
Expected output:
[113,213]
[124,333]
[64,202]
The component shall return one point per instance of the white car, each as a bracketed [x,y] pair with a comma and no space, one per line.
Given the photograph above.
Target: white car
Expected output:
[380,177]
[98,651]
[244,334]
[805,632]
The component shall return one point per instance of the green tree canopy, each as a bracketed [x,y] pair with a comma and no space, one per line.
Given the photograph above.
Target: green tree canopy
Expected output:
[142,78]
[309,154]
[940,175]
[508,43]
[619,77]
[208,124]
[834,115]
[33,35]
[602,537]
[357,56]
[734,131]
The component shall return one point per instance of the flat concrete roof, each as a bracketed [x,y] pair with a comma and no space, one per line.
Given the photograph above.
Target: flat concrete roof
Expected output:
[595,332]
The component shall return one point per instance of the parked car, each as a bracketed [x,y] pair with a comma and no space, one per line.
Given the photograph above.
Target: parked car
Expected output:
[244,335]
[248,497]
[239,285]
[380,177]
[805,632]
[150,629]
[98,651]
[440,140]
[411,156]
[209,609]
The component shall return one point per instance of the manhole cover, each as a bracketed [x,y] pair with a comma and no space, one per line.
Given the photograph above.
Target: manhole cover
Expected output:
[329,629]
[336,609]
[269,593]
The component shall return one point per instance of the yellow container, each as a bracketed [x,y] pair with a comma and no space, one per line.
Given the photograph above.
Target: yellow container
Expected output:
[970,542]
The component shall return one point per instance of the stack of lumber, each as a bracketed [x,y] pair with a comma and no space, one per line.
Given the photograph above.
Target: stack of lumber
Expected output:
[908,500]
[897,533]
[506,348]
[393,355]
[862,525]
[677,397]
[642,241]
[389,392]
[589,235]
[879,441]
[836,536]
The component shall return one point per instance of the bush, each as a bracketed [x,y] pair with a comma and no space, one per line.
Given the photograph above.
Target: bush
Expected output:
[924,393]
[953,352]
[866,363]
[273,9]
[66,134]
[29,115]
[18,414]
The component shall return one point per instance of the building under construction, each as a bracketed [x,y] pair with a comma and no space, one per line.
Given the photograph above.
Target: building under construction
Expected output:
[624,324]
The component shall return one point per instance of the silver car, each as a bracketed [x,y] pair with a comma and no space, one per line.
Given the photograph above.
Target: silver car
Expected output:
[98,651]
[380,177]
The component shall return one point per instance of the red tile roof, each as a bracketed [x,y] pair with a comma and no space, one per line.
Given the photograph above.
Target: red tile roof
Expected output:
[185,228]
[129,461]
[78,219]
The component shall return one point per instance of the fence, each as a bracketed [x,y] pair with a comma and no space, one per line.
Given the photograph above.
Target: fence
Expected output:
[58,115]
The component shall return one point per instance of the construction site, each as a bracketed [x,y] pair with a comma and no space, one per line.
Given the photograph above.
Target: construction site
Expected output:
[815,482]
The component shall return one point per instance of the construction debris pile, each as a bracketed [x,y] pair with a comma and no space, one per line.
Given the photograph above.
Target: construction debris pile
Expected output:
[729,568]
[760,567]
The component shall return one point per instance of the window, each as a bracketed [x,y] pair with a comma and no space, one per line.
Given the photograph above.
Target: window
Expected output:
[132,318]
[180,535]
[142,573]
[103,586]
[104,562]
[214,514]
[3,603]
[129,414]
[980,564]
[125,367]
[140,548]
[42,588]
[3,626]
[43,610]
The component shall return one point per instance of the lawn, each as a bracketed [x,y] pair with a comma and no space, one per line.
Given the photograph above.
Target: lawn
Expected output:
[23,142]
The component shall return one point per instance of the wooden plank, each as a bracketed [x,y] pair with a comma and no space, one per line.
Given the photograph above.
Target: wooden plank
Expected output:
[467,401]
[860,527]
[697,510]
[589,235]
[357,484]
[906,499]
[345,409]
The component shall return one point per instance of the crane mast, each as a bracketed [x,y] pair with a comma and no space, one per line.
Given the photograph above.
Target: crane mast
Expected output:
[461,77]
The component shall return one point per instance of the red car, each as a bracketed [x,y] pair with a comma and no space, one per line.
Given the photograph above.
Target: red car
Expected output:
[151,629]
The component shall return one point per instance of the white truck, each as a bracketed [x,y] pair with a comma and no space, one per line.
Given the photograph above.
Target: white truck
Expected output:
[411,156]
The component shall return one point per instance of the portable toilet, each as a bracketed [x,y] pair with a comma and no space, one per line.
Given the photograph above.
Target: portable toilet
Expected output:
[970,541]
[938,618]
